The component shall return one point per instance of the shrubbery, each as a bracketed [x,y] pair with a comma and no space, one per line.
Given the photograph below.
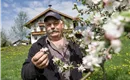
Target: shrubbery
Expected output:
[4,40]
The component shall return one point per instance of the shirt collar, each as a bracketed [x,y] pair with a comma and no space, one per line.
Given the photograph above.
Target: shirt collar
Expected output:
[48,41]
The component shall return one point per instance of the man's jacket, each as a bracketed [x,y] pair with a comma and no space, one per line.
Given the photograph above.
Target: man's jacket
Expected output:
[31,72]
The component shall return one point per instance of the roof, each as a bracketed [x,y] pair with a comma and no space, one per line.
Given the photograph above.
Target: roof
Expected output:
[43,13]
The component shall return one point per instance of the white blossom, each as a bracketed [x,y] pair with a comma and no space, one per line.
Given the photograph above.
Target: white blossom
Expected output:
[71,35]
[55,59]
[65,66]
[79,40]
[118,20]
[110,5]
[88,36]
[75,4]
[116,45]
[45,50]
[112,30]
[96,1]
[96,18]
[109,56]
[65,27]
[101,45]
[89,2]
[92,48]
[82,45]
[60,69]
[95,47]
[90,61]
[97,37]
[81,68]
[125,3]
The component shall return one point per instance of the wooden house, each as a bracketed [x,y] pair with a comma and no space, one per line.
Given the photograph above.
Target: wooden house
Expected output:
[37,25]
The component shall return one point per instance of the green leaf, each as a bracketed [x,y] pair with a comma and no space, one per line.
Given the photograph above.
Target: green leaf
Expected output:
[126,14]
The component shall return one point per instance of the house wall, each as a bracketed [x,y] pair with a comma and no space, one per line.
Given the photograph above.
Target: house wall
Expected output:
[33,40]
[36,26]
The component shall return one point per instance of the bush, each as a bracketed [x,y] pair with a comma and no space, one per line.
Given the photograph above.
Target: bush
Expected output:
[4,40]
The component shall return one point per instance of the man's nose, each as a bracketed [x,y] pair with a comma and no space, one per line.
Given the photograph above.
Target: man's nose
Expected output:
[52,26]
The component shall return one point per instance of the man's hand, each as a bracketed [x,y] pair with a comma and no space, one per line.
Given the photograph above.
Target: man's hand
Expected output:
[40,59]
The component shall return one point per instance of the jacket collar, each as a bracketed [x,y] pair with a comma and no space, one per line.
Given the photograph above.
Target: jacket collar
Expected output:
[42,41]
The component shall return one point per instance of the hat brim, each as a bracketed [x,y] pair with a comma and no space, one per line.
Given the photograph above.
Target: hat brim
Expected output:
[45,19]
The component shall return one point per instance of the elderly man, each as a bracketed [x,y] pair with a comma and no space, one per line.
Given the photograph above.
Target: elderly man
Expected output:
[40,66]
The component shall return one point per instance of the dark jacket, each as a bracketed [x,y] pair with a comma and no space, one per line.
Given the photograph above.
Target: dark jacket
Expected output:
[30,72]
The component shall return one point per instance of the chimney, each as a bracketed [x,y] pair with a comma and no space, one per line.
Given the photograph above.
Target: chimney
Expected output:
[49,5]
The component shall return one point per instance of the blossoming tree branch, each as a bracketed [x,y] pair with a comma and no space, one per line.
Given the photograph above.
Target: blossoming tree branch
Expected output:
[101,24]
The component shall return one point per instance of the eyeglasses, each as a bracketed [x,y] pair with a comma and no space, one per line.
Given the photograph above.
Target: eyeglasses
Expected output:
[49,23]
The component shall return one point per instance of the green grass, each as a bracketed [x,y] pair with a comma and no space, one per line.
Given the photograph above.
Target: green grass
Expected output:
[118,68]
[12,59]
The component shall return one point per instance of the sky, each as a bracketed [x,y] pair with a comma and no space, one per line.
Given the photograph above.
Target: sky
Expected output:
[11,8]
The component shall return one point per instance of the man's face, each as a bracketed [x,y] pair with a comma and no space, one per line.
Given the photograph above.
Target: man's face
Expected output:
[54,27]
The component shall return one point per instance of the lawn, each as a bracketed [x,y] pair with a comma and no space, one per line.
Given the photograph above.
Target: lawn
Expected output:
[12,59]
[118,68]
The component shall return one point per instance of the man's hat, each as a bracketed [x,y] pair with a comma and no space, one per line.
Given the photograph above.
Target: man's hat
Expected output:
[53,14]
